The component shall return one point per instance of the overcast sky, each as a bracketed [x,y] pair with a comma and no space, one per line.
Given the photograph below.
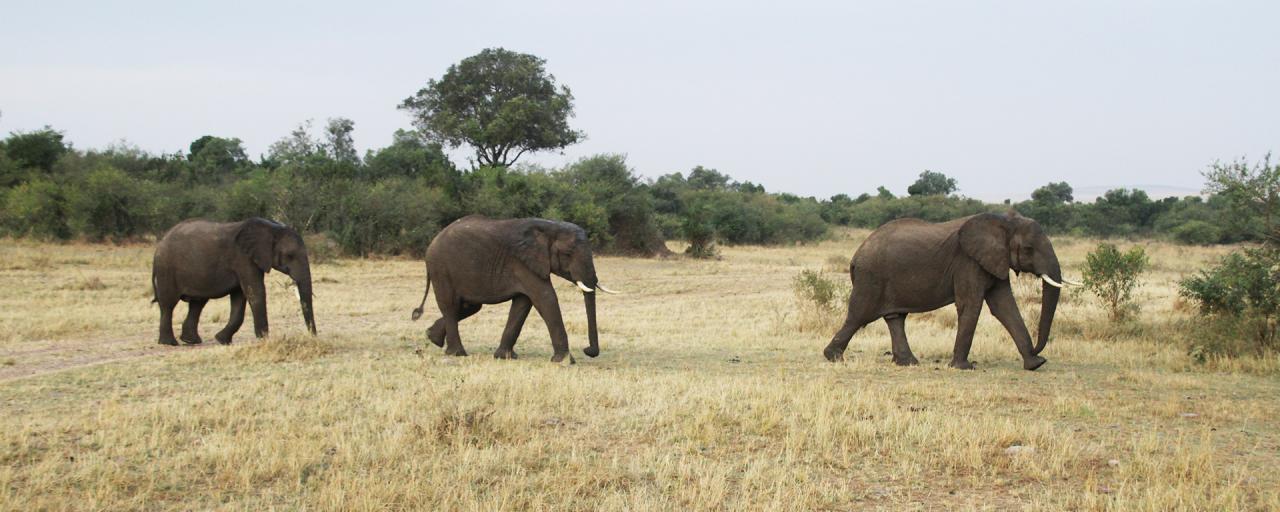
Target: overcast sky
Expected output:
[815,98]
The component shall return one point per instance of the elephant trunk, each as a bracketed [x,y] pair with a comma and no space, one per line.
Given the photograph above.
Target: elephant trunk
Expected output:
[1048,305]
[303,281]
[593,337]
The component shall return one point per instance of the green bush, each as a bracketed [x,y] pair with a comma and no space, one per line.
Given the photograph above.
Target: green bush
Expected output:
[108,204]
[1113,276]
[37,209]
[1241,297]
[1197,232]
[813,289]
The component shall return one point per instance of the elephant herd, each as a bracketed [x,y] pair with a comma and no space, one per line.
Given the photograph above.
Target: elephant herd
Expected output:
[906,266]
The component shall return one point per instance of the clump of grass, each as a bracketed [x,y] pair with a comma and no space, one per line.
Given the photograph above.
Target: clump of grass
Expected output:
[836,264]
[87,284]
[279,349]
[819,301]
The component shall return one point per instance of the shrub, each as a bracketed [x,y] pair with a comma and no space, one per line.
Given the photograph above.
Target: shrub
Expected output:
[811,288]
[819,301]
[37,209]
[1242,297]
[700,233]
[1197,232]
[1113,276]
[110,204]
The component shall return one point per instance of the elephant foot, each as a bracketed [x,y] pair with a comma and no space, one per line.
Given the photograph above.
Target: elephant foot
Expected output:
[1033,362]
[909,360]
[505,354]
[961,364]
[193,339]
[833,355]
[261,333]
[460,352]
[223,338]
[436,338]
[561,358]
[168,341]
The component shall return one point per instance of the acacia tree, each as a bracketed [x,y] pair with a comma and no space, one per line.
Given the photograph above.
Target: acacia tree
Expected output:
[1251,190]
[501,103]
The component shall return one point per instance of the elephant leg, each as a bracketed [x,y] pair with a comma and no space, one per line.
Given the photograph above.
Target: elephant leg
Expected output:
[859,316]
[902,355]
[520,306]
[255,292]
[236,319]
[191,326]
[1005,308]
[967,312]
[549,308]
[166,319]
[436,333]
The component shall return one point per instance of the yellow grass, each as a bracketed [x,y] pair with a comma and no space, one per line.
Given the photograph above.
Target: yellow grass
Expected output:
[711,393]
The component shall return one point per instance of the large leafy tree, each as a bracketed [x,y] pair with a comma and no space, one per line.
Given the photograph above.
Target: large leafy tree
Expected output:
[39,149]
[215,157]
[932,183]
[501,103]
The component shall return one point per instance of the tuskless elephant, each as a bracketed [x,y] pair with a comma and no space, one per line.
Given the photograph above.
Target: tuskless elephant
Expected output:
[477,260]
[912,266]
[198,260]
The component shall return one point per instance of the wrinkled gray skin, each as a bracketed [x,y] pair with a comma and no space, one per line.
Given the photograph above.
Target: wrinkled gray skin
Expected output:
[477,260]
[199,260]
[911,266]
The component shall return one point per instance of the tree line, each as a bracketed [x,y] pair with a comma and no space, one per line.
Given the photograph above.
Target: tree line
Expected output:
[393,199]
[502,105]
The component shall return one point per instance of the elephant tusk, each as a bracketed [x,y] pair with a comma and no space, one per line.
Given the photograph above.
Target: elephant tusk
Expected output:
[1070,282]
[583,287]
[1050,280]
[606,290]
[297,293]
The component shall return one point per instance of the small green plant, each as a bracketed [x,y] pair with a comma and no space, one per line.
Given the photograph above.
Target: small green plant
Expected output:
[1113,276]
[813,289]
[819,300]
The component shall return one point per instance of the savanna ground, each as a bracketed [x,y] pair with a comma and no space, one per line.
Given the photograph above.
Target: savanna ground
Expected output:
[711,393]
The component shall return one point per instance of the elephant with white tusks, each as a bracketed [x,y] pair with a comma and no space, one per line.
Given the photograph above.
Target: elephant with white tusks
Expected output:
[198,260]
[477,260]
[912,266]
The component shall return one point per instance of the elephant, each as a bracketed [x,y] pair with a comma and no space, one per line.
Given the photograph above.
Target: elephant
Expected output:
[477,260]
[912,266]
[198,260]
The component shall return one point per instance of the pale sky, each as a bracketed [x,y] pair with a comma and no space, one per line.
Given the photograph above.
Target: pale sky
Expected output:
[813,98]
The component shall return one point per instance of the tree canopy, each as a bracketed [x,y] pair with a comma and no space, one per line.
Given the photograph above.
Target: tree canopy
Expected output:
[932,183]
[501,103]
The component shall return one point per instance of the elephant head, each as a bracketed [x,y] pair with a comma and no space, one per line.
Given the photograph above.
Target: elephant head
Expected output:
[269,245]
[562,249]
[1000,243]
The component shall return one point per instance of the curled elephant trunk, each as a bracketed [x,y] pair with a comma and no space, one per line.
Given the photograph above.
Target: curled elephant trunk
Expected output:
[593,337]
[1048,306]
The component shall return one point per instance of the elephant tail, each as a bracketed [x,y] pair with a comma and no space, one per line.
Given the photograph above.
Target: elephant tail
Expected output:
[155,295]
[417,313]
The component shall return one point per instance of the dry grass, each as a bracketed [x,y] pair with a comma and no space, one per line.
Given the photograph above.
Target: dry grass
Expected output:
[707,395]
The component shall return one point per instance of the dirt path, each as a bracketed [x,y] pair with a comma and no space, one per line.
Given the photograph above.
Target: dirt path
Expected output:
[71,354]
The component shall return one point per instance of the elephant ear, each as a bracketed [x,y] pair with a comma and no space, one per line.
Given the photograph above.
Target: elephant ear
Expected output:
[985,238]
[256,239]
[534,250]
